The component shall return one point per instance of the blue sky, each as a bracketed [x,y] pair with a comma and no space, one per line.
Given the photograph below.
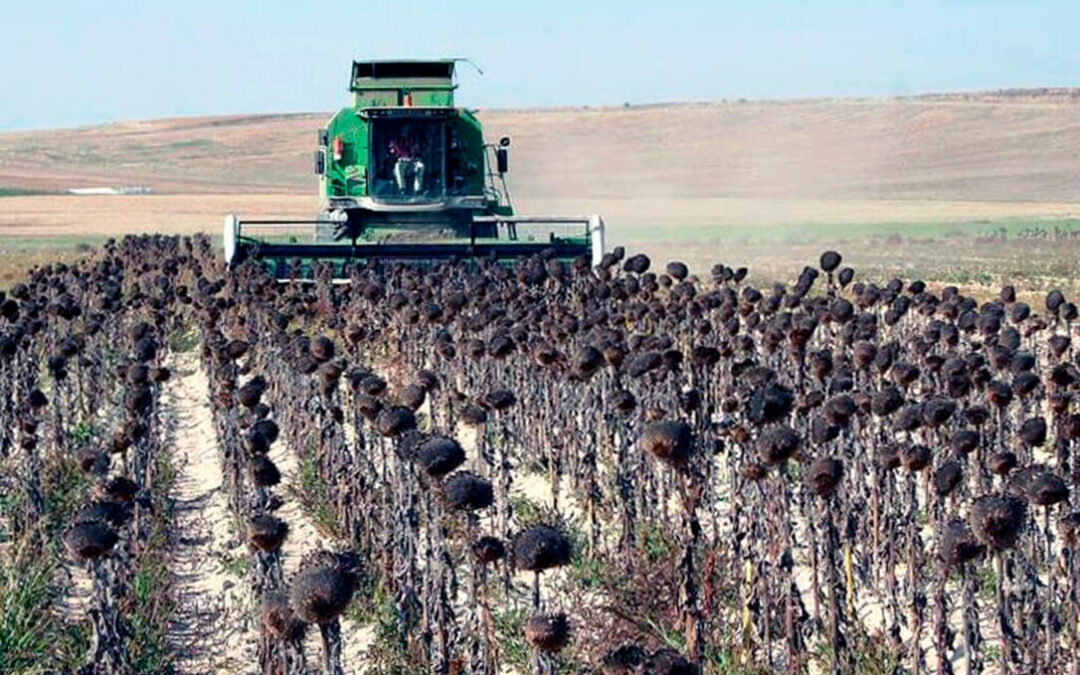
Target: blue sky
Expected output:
[71,62]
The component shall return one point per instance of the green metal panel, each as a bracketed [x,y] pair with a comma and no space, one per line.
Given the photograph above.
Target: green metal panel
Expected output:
[346,177]
[376,98]
[401,85]
[419,94]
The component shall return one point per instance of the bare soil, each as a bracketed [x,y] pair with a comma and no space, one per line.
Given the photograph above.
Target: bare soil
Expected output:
[214,629]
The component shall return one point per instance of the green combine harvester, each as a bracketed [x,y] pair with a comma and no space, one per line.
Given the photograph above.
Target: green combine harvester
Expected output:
[404,175]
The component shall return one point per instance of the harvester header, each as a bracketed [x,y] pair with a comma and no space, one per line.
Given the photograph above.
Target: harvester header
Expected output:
[404,174]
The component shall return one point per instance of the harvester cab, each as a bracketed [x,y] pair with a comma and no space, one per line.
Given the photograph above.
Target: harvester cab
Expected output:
[405,175]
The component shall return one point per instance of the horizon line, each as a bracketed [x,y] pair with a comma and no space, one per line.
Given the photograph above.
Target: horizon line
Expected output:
[1058,93]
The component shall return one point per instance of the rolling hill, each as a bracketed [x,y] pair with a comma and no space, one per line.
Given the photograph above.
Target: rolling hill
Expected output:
[763,183]
[1011,146]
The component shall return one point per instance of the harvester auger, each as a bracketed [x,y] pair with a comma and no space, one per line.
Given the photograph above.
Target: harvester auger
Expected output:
[404,175]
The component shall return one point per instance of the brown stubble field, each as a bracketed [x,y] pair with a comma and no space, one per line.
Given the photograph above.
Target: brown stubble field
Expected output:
[948,242]
[964,189]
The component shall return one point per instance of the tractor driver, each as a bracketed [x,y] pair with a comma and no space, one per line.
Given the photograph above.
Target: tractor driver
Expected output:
[407,163]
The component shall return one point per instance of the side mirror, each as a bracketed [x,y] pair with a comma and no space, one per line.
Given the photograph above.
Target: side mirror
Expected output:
[324,137]
[504,142]
[502,160]
[320,162]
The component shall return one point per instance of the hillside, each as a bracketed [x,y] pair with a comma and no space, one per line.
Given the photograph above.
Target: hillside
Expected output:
[1007,146]
[925,186]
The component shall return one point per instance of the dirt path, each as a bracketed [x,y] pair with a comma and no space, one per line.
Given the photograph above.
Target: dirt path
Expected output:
[213,630]
[75,581]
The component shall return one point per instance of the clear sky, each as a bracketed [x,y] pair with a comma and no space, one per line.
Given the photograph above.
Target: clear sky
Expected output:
[70,62]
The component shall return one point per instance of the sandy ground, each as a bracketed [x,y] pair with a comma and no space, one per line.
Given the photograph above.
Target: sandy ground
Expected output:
[948,241]
[214,629]
[633,219]
[112,216]
[77,587]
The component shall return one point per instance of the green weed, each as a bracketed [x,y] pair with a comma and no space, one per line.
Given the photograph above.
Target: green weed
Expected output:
[510,629]
[657,543]
[369,603]
[183,340]
[985,581]
[152,603]
[589,571]
[190,144]
[389,653]
[19,192]
[869,656]
[33,639]
[63,487]
[526,511]
[236,566]
[723,662]
[84,432]
[314,495]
